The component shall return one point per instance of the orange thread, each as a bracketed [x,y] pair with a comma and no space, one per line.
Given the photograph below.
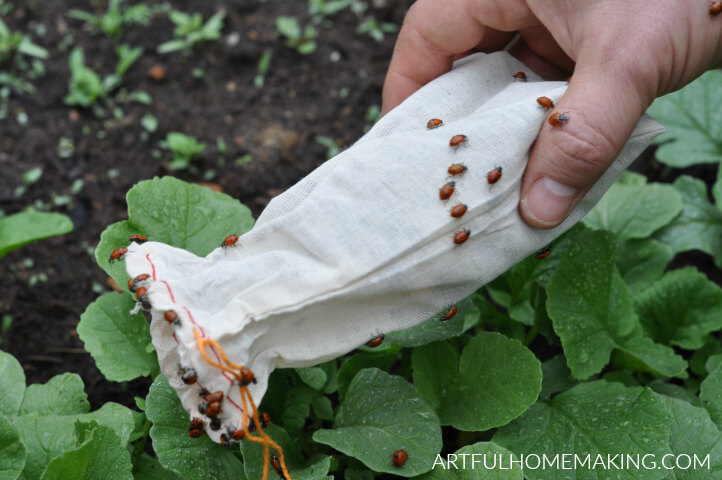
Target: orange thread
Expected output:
[235,370]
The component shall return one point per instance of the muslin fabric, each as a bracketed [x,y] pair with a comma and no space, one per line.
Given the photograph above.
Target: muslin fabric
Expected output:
[364,245]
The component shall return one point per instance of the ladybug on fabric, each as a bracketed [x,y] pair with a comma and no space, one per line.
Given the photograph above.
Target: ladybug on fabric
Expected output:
[117,254]
[133,282]
[450,314]
[434,123]
[558,119]
[230,241]
[247,377]
[216,396]
[237,434]
[715,9]
[139,239]
[543,253]
[545,102]
[213,409]
[195,429]
[189,376]
[141,294]
[494,175]
[170,316]
[400,457]
[456,169]
[458,210]
[447,190]
[215,424]
[521,76]
[462,236]
[457,140]
[375,342]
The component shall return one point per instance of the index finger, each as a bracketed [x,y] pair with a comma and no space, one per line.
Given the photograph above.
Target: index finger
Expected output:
[435,32]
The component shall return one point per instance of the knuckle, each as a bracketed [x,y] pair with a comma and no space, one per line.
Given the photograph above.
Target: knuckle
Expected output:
[584,151]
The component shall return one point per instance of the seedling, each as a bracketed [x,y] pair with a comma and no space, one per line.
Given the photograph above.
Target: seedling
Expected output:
[303,41]
[190,31]
[15,51]
[332,148]
[115,19]
[15,43]
[375,29]
[263,64]
[184,148]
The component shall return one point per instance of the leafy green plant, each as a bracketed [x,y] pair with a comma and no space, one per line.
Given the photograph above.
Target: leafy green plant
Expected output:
[30,226]
[16,43]
[87,89]
[184,148]
[302,40]
[190,30]
[115,18]
[15,50]
[263,64]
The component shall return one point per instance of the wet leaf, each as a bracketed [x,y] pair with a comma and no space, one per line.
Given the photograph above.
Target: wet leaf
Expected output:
[480,461]
[12,451]
[29,226]
[13,384]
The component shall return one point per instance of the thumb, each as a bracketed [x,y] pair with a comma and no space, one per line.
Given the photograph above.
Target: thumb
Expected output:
[566,160]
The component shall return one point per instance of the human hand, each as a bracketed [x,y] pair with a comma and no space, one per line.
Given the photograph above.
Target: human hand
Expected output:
[623,55]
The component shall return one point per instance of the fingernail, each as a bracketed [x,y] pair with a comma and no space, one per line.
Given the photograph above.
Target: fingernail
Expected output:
[548,201]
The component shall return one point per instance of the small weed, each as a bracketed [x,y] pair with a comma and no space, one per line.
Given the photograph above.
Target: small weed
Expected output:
[115,19]
[29,177]
[184,148]
[332,148]
[15,44]
[149,123]
[17,51]
[302,40]
[260,79]
[373,115]
[243,160]
[65,147]
[375,29]
[190,30]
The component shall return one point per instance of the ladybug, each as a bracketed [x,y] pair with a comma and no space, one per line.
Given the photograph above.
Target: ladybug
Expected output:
[237,434]
[196,424]
[569,79]
[189,377]
[133,282]
[142,295]
[715,9]
[195,433]
[494,175]
[216,396]
[215,424]
[229,241]
[400,457]
[456,169]
[170,316]
[557,119]
[545,102]
[213,409]
[543,253]
[203,393]
[265,421]
[434,123]
[117,254]
[375,342]
[247,376]
[457,140]
[520,76]
[277,466]
[450,314]
[458,210]
[139,239]
[202,407]
[462,236]
[225,439]
[447,190]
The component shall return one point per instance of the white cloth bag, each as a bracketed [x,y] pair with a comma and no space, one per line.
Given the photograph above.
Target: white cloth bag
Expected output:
[364,245]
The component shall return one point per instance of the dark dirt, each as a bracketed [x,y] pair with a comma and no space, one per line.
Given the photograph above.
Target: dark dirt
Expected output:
[302,98]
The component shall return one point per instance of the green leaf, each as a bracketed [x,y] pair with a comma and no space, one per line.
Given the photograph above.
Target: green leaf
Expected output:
[173,46]
[12,451]
[114,236]
[13,384]
[641,262]
[61,395]
[100,455]
[699,226]
[29,226]
[149,468]
[380,414]
[675,391]
[595,418]
[356,363]
[299,469]
[190,458]
[480,461]
[322,407]
[556,377]
[592,312]
[117,340]
[633,211]
[288,399]
[288,27]
[640,353]
[433,329]
[694,433]
[681,308]
[710,393]
[314,377]
[185,215]
[496,379]
[693,119]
